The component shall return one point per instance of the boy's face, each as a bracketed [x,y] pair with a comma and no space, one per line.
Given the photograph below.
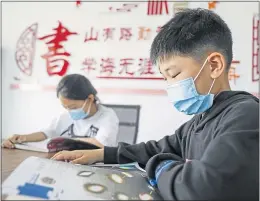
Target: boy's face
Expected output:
[179,68]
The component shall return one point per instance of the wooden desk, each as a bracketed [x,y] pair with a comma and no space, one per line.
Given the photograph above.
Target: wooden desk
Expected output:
[11,158]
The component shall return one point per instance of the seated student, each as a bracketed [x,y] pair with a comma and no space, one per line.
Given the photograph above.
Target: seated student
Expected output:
[215,155]
[84,117]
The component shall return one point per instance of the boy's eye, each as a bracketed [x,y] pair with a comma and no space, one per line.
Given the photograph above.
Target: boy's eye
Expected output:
[175,75]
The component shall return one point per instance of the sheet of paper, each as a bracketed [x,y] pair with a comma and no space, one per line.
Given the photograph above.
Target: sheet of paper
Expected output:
[49,179]
[53,181]
[34,146]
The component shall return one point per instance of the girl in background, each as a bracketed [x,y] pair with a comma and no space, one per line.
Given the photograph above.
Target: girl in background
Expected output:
[85,118]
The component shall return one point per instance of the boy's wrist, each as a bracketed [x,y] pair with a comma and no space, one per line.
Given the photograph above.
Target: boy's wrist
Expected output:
[100,155]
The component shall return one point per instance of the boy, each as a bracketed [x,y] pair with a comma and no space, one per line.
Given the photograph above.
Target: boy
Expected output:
[215,155]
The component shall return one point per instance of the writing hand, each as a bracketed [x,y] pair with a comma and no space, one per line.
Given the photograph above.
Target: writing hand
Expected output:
[9,143]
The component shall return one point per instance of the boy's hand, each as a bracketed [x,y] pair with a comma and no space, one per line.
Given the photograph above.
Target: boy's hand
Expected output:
[158,163]
[9,143]
[80,156]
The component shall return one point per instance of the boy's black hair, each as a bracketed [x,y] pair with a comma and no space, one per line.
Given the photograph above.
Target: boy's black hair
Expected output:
[193,33]
[75,87]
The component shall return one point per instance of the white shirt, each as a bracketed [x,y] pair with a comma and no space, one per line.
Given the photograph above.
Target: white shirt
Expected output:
[103,126]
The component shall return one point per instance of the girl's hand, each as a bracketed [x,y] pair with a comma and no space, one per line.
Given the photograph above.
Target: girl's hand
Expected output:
[80,156]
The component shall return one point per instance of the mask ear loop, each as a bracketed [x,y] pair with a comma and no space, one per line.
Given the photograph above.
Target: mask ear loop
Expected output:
[84,104]
[200,72]
[89,107]
[211,85]
[201,69]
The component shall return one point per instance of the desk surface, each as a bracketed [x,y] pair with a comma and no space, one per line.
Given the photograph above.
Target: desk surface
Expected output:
[11,158]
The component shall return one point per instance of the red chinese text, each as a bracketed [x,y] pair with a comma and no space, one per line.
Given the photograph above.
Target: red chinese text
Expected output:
[107,66]
[124,63]
[232,75]
[157,7]
[131,68]
[56,56]
[125,34]
[91,36]
[144,33]
[255,55]
[146,66]
[108,33]
[89,65]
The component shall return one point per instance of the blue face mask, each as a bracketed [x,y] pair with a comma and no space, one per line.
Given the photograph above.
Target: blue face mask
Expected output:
[79,113]
[185,98]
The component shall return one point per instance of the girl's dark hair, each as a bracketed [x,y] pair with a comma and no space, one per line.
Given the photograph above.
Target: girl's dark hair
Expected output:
[75,87]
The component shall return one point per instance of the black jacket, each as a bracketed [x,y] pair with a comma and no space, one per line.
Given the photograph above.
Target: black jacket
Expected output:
[223,146]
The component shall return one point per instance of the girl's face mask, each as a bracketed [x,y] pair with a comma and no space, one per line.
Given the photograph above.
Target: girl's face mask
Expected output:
[77,114]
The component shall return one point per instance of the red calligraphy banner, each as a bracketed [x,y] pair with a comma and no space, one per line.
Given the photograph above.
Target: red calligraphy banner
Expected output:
[255,49]
[157,7]
[92,35]
[232,75]
[89,65]
[144,33]
[130,68]
[122,33]
[124,64]
[108,33]
[56,57]
[124,68]
[125,34]
[107,66]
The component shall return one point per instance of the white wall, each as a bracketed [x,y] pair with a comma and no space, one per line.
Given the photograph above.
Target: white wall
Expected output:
[26,110]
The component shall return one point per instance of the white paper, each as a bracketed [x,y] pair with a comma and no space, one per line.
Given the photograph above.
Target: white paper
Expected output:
[57,175]
[40,146]
[65,181]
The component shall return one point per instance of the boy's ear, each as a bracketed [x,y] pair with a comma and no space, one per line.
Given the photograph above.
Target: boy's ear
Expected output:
[217,64]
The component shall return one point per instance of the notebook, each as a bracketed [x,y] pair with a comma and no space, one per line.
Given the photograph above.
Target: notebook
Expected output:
[56,144]
[45,179]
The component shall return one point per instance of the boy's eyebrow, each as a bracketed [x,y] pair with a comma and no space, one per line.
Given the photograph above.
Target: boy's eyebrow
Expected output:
[170,67]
